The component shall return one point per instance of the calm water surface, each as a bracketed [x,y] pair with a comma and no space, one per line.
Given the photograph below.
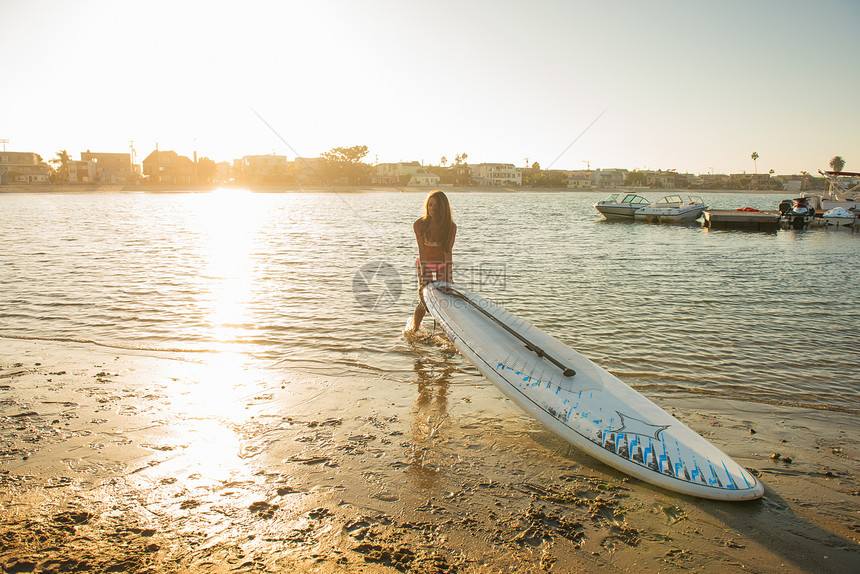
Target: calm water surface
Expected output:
[287,279]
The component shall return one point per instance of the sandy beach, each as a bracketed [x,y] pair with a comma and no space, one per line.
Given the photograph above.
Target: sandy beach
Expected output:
[127,461]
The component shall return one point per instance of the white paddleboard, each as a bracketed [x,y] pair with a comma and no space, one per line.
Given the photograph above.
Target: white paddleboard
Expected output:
[583,403]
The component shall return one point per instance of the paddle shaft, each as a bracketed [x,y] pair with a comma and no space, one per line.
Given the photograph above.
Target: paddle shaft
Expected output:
[566,371]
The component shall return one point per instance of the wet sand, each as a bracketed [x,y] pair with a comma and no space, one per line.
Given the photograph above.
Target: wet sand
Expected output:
[123,461]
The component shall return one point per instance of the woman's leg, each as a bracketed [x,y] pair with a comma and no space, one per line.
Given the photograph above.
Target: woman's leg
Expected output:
[443,274]
[424,276]
[417,317]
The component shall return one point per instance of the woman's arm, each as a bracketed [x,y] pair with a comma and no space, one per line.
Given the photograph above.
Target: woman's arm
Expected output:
[425,276]
[449,255]
[448,270]
[416,228]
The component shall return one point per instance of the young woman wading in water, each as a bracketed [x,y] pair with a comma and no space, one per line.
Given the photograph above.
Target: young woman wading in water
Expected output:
[435,233]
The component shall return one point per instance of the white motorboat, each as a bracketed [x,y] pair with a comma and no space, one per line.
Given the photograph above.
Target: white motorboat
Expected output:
[621,206]
[672,209]
[843,191]
[839,217]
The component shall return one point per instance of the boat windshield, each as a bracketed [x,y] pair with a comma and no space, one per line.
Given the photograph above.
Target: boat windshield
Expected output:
[843,185]
[670,199]
[631,198]
[611,199]
[695,199]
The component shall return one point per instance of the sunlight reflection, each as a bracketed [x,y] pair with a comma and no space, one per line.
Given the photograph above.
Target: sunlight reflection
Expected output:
[229,222]
[212,450]
[209,402]
[216,390]
[208,406]
[430,416]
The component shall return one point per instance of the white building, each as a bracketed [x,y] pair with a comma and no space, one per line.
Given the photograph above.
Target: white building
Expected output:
[424,179]
[83,171]
[579,180]
[223,171]
[390,173]
[659,179]
[309,170]
[23,167]
[608,178]
[109,167]
[493,174]
[263,167]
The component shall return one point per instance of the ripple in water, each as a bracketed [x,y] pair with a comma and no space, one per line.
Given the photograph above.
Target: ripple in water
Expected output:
[765,317]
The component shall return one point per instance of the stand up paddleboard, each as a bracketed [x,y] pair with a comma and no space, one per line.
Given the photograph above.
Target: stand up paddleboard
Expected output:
[584,403]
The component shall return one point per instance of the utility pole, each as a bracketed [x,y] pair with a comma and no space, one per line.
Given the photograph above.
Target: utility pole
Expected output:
[134,173]
[4,142]
[587,164]
[131,147]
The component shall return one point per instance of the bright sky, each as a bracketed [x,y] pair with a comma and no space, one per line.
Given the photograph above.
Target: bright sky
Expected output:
[681,84]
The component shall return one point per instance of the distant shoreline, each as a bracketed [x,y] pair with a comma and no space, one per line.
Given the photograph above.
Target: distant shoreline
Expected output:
[149,188]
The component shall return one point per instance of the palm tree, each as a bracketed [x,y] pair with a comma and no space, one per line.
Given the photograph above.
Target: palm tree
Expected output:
[62,158]
[754,157]
[837,163]
[443,161]
[61,173]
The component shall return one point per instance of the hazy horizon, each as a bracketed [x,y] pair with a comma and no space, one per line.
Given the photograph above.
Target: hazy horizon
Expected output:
[665,85]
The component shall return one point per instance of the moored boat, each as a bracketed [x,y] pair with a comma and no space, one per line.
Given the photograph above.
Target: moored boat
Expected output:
[796,214]
[672,209]
[621,206]
[839,217]
[843,191]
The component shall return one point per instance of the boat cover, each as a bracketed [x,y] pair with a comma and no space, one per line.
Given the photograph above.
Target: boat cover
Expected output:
[838,212]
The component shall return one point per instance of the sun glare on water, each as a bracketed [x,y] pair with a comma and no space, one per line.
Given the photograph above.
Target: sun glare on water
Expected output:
[207,400]
[229,223]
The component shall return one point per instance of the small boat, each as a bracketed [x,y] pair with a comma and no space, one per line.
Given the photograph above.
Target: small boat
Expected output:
[839,217]
[614,208]
[672,209]
[843,191]
[797,213]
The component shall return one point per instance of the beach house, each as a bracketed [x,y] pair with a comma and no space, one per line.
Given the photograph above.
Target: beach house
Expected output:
[495,174]
[168,167]
[23,167]
[395,173]
[111,167]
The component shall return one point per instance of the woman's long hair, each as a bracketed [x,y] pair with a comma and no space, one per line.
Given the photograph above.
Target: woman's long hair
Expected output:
[439,228]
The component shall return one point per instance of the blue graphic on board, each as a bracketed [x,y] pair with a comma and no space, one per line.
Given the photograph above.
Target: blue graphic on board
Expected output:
[531,371]
[631,425]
